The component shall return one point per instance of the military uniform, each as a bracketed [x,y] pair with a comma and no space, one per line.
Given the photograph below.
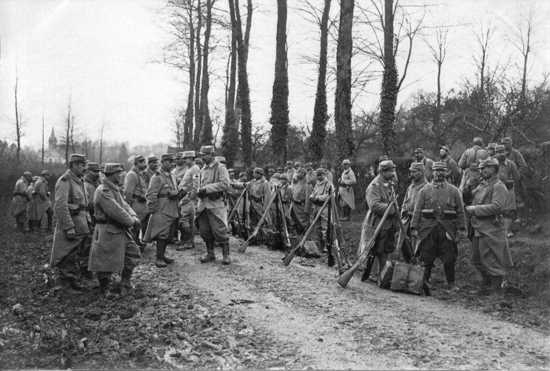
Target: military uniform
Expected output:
[162,203]
[42,205]
[490,251]
[259,192]
[70,252]
[438,216]
[188,204]
[346,194]
[300,206]
[113,248]
[90,184]
[453,172]
[135,190]
[19,202]
[407,207]
[469,162]
[211,208]
[320,193]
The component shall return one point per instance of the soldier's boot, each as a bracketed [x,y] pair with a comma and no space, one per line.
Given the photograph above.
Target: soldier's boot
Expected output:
[209,257]
[104,281]
[368,268]
[450,276]
[225,252]
[161,248]
[125,283]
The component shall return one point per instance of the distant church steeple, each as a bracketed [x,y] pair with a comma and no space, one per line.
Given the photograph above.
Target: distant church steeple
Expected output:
[52,141]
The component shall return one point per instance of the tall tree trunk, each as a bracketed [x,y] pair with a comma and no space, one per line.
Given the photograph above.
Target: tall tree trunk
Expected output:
[101,143]
[388,99]
[342,107]
[440,134]
[18,129]
[42,152]
[206,125]
[189,113]
[230,138]
[248,26]
[198,113]
[68,134]
[320,116]
[279,101]
[243,91]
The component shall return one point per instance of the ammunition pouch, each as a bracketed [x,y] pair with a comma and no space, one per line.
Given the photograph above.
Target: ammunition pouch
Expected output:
[428,213]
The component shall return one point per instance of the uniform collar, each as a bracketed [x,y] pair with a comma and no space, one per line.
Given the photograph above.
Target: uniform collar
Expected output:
[439,184]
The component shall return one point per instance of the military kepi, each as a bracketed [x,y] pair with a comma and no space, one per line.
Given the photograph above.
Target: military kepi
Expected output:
[93,166]
[167,157]
[207,150]
[77,157]
[439,165]
[112,167]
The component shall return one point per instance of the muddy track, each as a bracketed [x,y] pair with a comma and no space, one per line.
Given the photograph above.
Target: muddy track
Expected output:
[361,326]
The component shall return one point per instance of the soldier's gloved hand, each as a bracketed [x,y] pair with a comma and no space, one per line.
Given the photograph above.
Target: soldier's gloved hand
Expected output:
[70,234]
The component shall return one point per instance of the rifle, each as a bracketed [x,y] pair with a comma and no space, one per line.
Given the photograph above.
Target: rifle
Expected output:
[281,209]
[338,238]
[236,205]
[402,235]
[262,219]
[365,251]
[290,255]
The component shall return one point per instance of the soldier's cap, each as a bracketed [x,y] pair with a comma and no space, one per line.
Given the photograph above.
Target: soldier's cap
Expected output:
[139,158]
[289,163]
[491,146]
[220,159]
[419,150]
[93,166]
[27,174]
[320,171]
[76,158]
[499,148]
[231,170]
[45,172]
[309,165]
[417,166]
[297,164]
[167,157]
[207,150]
[386,165]
[346,162]
[478,141]
[259,170]
[506,140]
[475,165]
[189,154]
[445,148]
[439,165]
[35,178]
[276,176]
[179,155]
[491,161]
[152,159]
[283,177]
[112,168]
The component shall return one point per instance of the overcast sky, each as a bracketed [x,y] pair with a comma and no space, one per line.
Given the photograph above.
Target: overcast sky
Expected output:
[102,54]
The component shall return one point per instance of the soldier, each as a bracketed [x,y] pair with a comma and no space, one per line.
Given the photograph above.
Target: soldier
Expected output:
[274,182]
[135,190]
[259,192]
[490,252]
[509,175]
[379,195]
[179,170]
[300,204]
[418,180]
[346,194]
[321,192]
[91,181]
[71,241]
[152,169]
[437,220]
[19,201]
[162,203]
[211,209]
[515,156]
[188,204]
[113,248]
[453,175]
[311,178]
[491,149]
[41,200]
[470,160]
[428,163]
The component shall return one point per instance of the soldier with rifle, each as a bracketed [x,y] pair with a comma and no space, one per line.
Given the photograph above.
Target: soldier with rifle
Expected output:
[72,234]
[300,204]
[113,247]
[19,202]
[259,193]
[418,180]
[437,222]
[379,195]
[190,185]
[322,191]
[346,194]
[135,189]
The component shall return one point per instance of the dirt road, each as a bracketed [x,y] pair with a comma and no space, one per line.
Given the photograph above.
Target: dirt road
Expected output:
[361,326]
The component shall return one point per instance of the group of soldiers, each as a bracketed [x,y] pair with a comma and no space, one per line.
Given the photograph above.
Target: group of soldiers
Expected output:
[105,216]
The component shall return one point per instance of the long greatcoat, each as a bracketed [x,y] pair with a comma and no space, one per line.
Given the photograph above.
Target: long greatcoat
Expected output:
[40,199]
[489,233]
[346,193]
[509,175]
[70,198]
[20,197]
[164,211]
[213,178]
[110,239]
[135,189]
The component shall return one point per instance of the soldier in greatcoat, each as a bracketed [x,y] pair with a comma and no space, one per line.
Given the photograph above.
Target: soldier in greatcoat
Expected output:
[188,204]
[300,205]
[211,209]
[179,169]
[322,191]
[91,182]
[19,202]
[113,247]
[379,195]
[419,156]
[152,168]
[490,251]
[162,203]
[453,172]
[437,220]
[42,204]
[72,235]
[346,194]
[259,192]
[508,174]
[469,162]
[135,189]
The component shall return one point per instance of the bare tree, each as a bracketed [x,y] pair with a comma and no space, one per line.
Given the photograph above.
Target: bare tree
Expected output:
[42,152]
[101,132]
[206,122]
[198,80]
[188,125]
[523,42]
[68,132]
[483,37]
[439,53]
[342,107]
[18,121]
